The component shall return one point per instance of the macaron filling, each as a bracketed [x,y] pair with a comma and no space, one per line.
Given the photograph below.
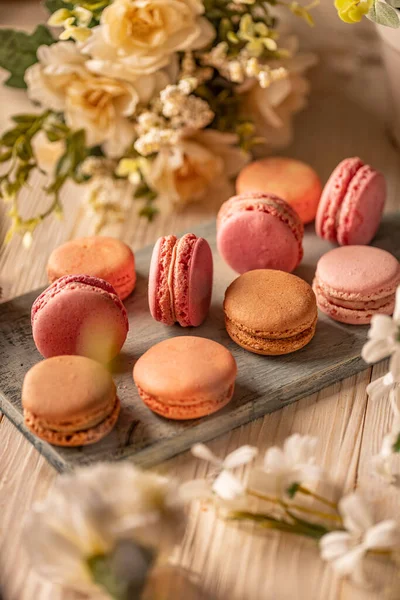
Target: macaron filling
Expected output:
[163,305]
[181,277]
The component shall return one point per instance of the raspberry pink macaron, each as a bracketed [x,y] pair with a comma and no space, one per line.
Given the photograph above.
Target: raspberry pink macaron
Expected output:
[259,231]
[180,280]
[80,315]
[351,204]
[185,377]
[354,283]
[289,179]
[103,257]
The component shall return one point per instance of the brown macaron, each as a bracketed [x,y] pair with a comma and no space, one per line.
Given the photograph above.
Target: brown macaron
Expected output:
[270,312]
[69,401]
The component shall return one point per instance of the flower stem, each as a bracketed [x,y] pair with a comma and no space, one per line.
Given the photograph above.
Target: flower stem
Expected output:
[308,492]
[293,506]
[264,520]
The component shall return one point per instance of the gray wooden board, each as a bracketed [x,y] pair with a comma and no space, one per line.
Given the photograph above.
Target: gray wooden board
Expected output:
[264,384]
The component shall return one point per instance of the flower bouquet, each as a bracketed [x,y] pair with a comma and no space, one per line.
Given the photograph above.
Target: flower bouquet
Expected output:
[146,99]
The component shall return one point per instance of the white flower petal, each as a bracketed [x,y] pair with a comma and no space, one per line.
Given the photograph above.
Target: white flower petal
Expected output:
[239,457]
[377,389]
[383,535]
[348,563]
[381,327]
[394,366]
[274,460]
[203,452]
[227,487]
[355,513]
[375,350]
[335,544]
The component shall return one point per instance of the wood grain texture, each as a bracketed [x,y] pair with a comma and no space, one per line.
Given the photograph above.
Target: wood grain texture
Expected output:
[264,384]
[347,115]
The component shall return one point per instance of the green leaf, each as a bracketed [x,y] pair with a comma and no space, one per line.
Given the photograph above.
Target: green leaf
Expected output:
[292,490]
[384,14]
[396,445]
[18,52]
[53,5]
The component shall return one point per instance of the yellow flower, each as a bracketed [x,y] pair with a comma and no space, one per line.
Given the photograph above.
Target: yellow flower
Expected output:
[352,11]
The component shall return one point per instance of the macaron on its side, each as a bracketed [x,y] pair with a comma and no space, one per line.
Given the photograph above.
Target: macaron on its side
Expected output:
[185,377]
[161,267]
[69,401]
[351,203]
[97,256]
[290,179]
[270,312]
[82,315]
[353,283]
[180,280]
[257,230]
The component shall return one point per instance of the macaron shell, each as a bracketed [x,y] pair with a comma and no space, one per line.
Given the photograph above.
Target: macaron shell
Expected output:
[98,256]
[200,283]
[76,316]
[257,344]
[78,438]
[362,207]
[333,195]
[181,412]
[160,300]
[186,376]
[259,231]
[290,179]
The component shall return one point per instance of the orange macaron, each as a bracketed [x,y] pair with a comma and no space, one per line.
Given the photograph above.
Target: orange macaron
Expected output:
[270,312]
[98,256]
[69,401]
[290,179]
[185,377]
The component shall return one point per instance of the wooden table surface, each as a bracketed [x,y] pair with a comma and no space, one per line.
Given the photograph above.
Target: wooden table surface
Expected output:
[346,116]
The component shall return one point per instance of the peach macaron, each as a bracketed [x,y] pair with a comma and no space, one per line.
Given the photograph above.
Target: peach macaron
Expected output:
[290,179]
[85,411]
[185,377]
[98,256]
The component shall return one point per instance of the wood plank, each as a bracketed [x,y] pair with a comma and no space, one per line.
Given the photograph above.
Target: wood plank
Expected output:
[264,384]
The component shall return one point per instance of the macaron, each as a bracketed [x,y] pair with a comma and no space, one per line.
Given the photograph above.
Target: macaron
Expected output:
[354,283]
[185,377]
[289,179]
[78,314]
[69,401]
[351,204]
[103,257]
[180,280]
[259,231]
[270,312]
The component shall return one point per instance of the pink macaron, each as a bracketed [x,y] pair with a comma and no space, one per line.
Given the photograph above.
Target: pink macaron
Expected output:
[259,231]
[180,280]
[81,315]
[354,283]
[351,204]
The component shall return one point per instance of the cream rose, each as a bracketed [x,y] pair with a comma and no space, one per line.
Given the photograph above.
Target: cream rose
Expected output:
[140,36]
[47,154]
[99,105]
[184,172]
[272,108]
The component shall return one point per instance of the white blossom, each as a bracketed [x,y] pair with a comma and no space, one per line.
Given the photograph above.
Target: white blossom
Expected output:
[386,463]
[295,463]
[88,512]
[47,154]
[225,485]
[345,550]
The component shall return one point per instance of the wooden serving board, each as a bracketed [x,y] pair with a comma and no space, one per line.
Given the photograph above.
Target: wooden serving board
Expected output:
[264,384]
